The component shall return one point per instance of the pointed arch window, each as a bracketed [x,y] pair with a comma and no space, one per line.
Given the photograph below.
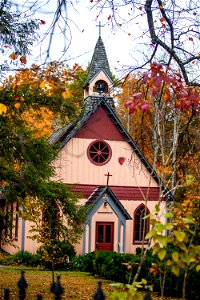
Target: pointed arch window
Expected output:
[141,225]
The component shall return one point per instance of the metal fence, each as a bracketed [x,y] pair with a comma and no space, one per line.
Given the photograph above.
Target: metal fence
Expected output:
[57,290]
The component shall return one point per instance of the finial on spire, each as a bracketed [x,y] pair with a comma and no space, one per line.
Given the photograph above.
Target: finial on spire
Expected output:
[100,27]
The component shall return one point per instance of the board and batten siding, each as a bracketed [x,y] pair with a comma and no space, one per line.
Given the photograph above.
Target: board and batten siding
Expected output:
[74,167]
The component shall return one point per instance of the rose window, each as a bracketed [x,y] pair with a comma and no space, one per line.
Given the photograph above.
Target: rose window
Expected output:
[99,152]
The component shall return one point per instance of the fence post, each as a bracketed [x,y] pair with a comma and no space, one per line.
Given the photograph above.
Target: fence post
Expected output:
[22,285]
[6,294]
[57,289]
[147,295]
[39,296]
[99,294]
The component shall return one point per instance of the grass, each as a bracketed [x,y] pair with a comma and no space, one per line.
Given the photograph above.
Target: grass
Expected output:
[77,285]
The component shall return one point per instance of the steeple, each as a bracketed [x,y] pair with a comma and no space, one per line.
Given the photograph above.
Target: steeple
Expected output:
[99,81]
[99,61]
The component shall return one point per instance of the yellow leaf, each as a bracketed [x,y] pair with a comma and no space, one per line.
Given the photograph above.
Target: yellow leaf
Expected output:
[3,108]
[175,269]
[42,84]
[156,248]
[162,253]
[198,268]
[175,256]
[65,94]
[180,235]
[169,226]
[169,262]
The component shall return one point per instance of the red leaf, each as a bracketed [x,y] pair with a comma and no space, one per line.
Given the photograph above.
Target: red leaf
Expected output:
[145,106]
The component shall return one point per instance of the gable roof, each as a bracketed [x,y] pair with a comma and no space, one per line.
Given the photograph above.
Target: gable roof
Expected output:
[65,134]
[99,192]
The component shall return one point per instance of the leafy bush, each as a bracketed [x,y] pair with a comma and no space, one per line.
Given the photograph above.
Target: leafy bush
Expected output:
[107,264]
[58,253]
[20,258]
[123,267]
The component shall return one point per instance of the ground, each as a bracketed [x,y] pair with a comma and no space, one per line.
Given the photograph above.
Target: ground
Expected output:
[78,286]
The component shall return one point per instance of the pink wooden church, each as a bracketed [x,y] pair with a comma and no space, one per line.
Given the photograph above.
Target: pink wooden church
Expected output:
[102,162]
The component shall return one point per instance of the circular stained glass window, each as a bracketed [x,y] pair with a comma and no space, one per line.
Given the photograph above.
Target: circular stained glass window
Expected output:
[99,152]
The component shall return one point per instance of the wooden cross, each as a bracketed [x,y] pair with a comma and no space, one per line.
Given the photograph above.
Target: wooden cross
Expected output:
[99,27]
[108,175]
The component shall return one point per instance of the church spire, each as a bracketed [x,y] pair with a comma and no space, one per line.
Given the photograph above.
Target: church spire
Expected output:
[99,60]
[99,80]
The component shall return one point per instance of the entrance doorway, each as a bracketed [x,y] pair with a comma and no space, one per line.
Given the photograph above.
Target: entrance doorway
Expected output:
[104,236]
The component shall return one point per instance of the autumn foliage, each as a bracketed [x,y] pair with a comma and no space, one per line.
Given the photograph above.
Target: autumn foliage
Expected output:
[57,81]
[161,112]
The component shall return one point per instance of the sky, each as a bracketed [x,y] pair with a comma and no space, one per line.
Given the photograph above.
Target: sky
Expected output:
[122,45]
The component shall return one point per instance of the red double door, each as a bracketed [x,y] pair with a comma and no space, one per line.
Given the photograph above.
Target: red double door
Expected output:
[104,235]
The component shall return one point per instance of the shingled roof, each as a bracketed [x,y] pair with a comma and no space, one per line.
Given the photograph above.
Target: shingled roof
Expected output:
[99,61]
[100,192]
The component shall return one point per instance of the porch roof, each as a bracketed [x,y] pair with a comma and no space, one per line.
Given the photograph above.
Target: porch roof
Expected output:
[99,192]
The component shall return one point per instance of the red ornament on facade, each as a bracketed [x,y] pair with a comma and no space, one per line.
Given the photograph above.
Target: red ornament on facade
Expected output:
[121,160]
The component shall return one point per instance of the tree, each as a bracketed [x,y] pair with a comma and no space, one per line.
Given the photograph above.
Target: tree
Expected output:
[161,25]
[15,31]
[62,83]
[22,178]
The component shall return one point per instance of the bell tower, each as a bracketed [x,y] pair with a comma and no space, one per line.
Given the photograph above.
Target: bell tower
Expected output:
[99,80]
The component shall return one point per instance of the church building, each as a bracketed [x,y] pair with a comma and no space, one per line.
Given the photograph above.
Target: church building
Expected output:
[101,161]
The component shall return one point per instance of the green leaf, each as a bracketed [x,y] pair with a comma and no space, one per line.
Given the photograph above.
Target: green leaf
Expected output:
[192,259]
[175,270]
[162,239]
[144,281]
[160,227]
[157,208]
[156,248]
[169,214]
[183,247]
[180,235]
[189,179]
[150,234]
[162,253]
[175,256]
[188,220]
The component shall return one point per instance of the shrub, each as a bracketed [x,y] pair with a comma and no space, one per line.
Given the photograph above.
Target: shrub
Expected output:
[21,258]
[123,267]
[84,263]
[58,253]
